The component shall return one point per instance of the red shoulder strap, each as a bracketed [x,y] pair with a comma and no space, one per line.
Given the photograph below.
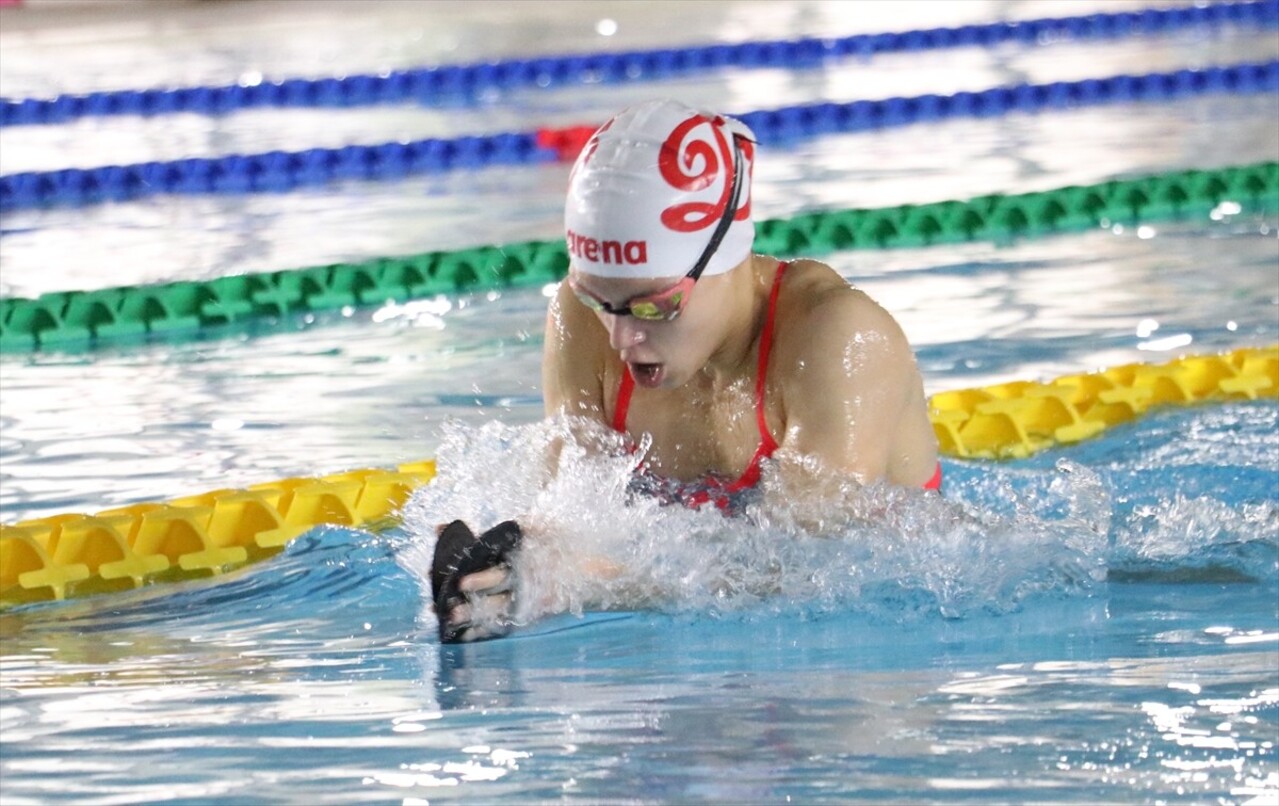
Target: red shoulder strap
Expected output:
[767,444]
[624,390]
[766,347]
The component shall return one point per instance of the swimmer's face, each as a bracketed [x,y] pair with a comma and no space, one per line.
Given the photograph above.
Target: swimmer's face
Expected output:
[647,319]
[660,353]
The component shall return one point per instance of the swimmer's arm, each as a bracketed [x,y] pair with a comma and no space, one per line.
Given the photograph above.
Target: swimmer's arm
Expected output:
[852,383]
[572,384]
[572,360]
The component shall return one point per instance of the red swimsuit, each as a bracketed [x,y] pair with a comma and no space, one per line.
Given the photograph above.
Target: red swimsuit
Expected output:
[714,488]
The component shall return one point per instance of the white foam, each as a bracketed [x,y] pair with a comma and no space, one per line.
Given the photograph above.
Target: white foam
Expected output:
[879,548]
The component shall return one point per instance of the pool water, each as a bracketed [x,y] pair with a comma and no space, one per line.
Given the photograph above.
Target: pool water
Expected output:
[1097,623]
[309,679]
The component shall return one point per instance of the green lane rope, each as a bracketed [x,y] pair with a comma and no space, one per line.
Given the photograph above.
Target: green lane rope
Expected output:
[73,320]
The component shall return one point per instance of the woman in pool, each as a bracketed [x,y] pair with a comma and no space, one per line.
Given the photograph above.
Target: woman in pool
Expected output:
[670,327]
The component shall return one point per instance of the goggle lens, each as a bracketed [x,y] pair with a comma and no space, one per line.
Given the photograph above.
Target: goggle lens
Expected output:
[663,306]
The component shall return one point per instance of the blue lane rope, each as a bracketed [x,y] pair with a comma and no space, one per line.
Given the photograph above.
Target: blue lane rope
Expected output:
[430,86]
[280,171]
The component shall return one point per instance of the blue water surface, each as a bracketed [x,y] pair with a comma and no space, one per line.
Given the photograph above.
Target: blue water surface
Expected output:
[310,677]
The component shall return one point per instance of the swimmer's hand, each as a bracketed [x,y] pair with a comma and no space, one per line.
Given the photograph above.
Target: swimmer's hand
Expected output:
[471,581]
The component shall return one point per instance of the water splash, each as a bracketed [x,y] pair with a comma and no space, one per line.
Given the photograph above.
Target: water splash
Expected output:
[593,543]
[1199,538]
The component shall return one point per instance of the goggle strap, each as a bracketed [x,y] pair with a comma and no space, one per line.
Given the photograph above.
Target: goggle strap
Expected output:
[726,220]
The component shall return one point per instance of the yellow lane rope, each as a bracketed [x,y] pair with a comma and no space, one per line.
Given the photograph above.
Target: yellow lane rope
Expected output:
[1014,420]
[208,534]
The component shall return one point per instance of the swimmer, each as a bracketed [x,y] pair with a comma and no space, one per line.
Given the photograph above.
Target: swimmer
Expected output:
[671,328]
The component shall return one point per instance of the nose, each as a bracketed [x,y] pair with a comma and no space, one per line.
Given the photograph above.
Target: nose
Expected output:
[624,331]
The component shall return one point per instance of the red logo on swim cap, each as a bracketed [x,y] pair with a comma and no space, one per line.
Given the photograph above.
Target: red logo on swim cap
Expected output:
[675,161]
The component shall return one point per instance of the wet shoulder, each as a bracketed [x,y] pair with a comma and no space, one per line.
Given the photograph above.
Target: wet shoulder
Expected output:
[577,365]
[814,292]
[819,310]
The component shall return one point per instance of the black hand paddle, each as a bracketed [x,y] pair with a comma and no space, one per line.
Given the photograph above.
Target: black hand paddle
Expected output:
[459,553]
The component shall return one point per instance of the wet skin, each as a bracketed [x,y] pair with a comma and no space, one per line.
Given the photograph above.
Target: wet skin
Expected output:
[843,396]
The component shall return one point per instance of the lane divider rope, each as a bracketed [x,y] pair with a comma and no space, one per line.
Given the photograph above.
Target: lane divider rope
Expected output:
[73,320]
[286,171]
[433,86]
[203,535]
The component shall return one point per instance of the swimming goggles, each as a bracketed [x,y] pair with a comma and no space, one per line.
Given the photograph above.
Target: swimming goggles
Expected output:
[668,304]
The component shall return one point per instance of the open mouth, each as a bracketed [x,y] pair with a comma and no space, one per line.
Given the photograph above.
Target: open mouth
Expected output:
[647,375]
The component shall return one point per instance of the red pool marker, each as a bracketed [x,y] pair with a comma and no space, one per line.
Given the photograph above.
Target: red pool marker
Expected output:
[567,143]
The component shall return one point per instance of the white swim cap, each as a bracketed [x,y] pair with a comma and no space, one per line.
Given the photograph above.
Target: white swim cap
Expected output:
[650,187]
